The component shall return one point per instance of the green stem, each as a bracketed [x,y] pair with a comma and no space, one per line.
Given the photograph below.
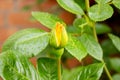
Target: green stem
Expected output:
[87,4]
[105,67]
[59,69]
[94,32]
[95,35]
[107,72]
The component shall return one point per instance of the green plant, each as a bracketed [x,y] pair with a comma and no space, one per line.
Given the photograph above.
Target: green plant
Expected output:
[48,47]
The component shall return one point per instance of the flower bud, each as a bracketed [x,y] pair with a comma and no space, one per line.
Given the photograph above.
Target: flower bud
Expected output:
[59,36]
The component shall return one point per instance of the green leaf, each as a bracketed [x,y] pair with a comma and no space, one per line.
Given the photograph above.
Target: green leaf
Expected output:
[29,42]
[81,3]
[71,6]
[93,48]
[116,3]
[73,30]
[108,48]
[47,19]
[91,72]
[76,48]
[82,26]
[66,74]
[79,21]
[115,63]
[116,77]
[47,68]
[12,39]
[100,12]
[115,40]
[102,1]
[102,28]
[14,66]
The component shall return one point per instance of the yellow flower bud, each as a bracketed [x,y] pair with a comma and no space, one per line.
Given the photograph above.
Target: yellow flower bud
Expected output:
[59,36]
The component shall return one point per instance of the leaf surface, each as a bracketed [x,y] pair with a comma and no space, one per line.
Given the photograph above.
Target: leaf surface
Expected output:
[102,1]
[29,42]
[47,68]
[116,3]
[115,63]
[100,12]
[91,72]
[108,48]
[82,25]
[71,6]
[116,77]
[102,28]
[115,40]
[14,66]
[48,20]
[93,48]
[76,48]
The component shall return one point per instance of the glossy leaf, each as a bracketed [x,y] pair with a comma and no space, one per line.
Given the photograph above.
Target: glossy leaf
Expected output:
[93,48]
[100,12]
[76,48]
[116,77]
[115,40]
[14,66]
[29,42]
[116,3]
[47,68]
[102,1]
[48,20]
[102,28]
[91,72]
[115,63]
[71,6]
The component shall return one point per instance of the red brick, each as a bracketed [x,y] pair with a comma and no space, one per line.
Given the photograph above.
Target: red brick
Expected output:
[6,5]
[23,20]
[6,32]
[33,61]
[45,6]
[71,63]
[1,20]
[0,78]
[23,3]
[6,0]
[67,17]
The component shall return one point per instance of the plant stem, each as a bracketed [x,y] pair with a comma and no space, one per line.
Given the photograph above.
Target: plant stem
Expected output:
[94,32]
[59,69]
[95,35]
[87,4]
[105,67]
[107,72]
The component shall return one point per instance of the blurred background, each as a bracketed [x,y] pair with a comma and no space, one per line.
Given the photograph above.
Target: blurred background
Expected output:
[16,15]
